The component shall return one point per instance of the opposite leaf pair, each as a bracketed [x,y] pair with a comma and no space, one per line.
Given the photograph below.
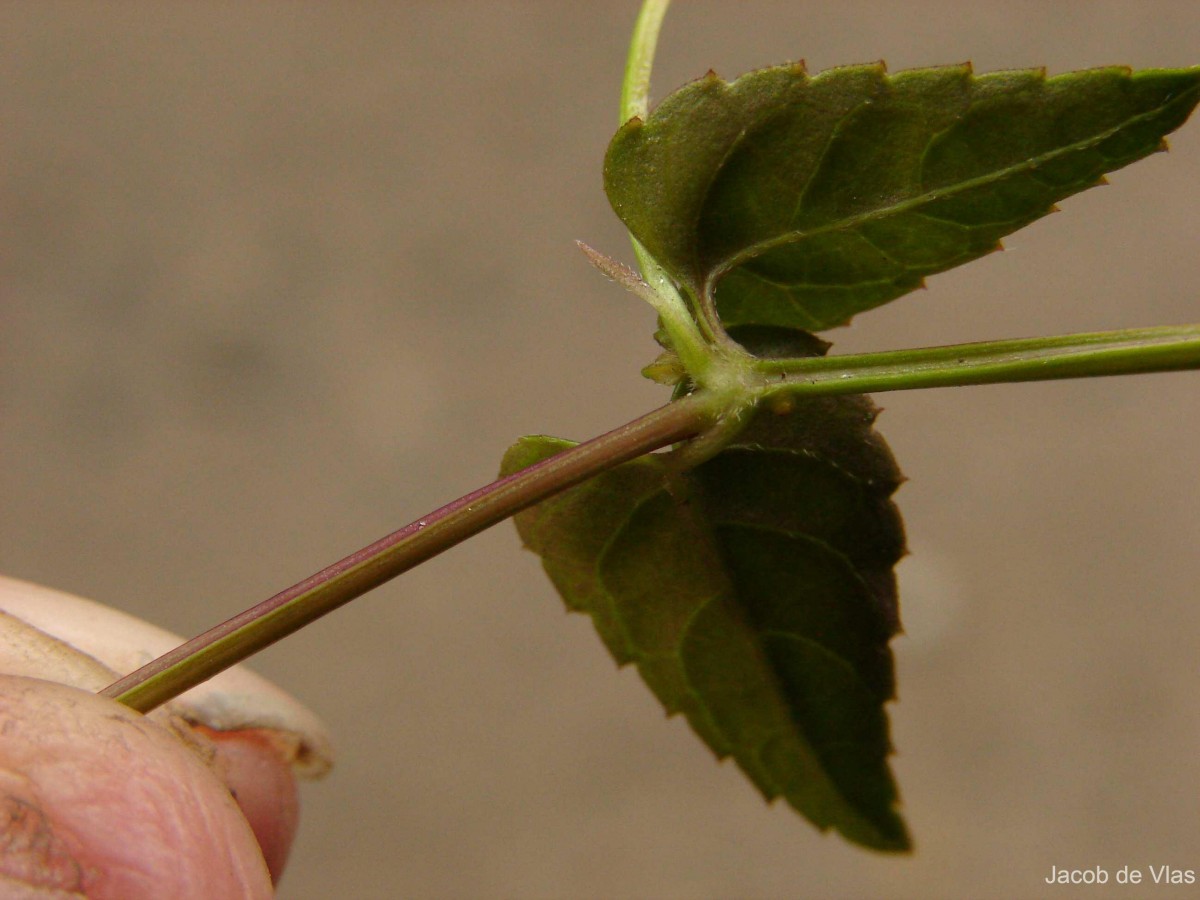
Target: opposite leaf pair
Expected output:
[755,591]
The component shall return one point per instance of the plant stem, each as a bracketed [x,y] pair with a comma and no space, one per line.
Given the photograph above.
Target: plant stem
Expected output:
[1066,356]
[1161,349]
[690,335]
[635,86]
[258,627]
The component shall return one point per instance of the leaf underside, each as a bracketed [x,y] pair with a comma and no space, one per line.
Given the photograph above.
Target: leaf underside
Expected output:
[755,592]
[800,201]
[755,595]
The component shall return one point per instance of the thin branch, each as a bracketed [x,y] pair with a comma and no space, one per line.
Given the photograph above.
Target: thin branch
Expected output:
[1130,351]
[245,634]
[635,87]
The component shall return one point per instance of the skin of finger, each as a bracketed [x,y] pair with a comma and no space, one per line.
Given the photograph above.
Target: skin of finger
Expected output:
[258,776]
[97,801]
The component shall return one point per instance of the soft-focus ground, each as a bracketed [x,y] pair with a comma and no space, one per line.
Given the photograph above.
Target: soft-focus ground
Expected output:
[277,279]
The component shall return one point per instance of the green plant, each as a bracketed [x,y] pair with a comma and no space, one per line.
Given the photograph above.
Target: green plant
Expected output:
[741,415]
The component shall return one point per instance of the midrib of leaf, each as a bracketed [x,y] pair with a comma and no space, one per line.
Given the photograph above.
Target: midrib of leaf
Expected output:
[911,205]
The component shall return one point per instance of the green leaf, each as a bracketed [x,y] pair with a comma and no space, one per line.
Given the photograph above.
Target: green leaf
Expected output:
[755,594]
[800,201]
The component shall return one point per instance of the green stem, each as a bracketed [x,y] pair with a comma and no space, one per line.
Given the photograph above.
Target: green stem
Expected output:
[1162,349]
[691,335]
[635,86]
[258,627]
[1066,356]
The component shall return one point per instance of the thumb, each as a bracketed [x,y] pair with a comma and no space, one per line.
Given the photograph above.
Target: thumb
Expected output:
[97,801]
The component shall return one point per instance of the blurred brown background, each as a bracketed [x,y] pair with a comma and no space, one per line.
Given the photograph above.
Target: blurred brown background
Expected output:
[278,278]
